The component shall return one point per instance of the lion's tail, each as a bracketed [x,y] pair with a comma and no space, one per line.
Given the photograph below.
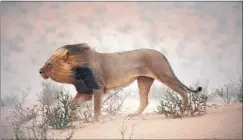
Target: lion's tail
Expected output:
[199,89]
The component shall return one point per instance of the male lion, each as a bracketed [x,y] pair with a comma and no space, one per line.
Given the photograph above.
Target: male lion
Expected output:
[94,73]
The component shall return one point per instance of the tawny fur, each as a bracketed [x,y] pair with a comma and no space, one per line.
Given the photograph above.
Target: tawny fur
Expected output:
[114,71]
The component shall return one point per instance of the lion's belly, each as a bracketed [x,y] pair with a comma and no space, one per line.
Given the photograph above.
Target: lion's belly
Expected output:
[119,83]
[123,80]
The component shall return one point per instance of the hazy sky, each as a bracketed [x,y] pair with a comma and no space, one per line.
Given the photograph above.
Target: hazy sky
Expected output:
[202,40]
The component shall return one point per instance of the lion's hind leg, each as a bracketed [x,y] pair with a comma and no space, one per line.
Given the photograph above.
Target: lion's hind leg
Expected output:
[175,85]
[144,84]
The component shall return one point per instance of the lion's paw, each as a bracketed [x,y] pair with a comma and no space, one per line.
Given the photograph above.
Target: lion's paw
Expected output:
[130,116]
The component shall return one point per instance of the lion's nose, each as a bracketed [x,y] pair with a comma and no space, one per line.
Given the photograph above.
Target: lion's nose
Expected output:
[40,71]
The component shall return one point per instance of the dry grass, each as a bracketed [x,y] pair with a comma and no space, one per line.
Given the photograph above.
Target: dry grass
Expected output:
[124,130]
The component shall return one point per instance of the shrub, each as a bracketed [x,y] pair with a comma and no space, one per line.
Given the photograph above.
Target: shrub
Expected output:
[223,93]
[240,94]
[113,102]
[111,105]
[9,100]
[197,103]
[84,112]
[59,115]
[124,130]
[171,105]
[231,91]
[13,98]
[32,122]
[20,116]
[49,93]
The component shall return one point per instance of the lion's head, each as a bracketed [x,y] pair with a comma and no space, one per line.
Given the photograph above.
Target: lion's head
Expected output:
[69,64]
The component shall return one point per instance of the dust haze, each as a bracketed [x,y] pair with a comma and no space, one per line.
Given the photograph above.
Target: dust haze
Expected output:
[202,40]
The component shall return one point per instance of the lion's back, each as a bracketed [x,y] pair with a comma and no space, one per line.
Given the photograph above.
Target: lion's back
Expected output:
[137,54]
[133,59]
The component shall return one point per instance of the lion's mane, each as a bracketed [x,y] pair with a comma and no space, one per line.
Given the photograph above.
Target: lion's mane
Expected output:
[75,69]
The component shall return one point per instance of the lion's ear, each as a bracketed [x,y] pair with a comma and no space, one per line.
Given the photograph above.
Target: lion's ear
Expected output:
[61,53]
[65,56]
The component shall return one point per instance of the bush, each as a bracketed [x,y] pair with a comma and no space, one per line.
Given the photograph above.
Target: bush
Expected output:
[240,97]
[13,98]
[113,102]
[84,112]
[33,122]
[223,93]
[9,100]
[124,130]
[172,106]
[19,118]
[111,105]
[58,115]
[240,94]
[54,111]
[49,93]
[197,103]
[231,91]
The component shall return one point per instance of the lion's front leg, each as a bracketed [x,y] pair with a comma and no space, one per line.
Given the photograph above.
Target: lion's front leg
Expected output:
[76,101]
[79,99]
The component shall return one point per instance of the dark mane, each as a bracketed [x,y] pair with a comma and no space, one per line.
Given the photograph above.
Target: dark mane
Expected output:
[84,80]
[82,76]
[77,48]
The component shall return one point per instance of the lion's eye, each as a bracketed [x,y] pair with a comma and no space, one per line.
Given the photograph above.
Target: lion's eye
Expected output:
[48,65]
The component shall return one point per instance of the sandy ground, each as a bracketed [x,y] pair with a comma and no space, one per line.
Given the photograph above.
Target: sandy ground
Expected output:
[221,122]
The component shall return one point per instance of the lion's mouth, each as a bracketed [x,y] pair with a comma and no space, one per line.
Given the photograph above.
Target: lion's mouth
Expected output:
[44,76]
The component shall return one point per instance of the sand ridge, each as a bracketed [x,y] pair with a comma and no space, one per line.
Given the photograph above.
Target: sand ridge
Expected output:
[220,122]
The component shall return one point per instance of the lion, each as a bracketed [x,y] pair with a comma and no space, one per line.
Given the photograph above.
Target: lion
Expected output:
[93,74]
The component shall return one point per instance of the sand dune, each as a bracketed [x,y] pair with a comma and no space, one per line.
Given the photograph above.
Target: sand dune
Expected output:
[220,122]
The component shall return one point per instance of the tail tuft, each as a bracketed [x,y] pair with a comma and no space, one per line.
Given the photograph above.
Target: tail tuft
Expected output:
[199,89]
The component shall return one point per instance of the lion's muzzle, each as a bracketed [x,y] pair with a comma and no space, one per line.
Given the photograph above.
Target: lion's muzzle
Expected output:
[43,74]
